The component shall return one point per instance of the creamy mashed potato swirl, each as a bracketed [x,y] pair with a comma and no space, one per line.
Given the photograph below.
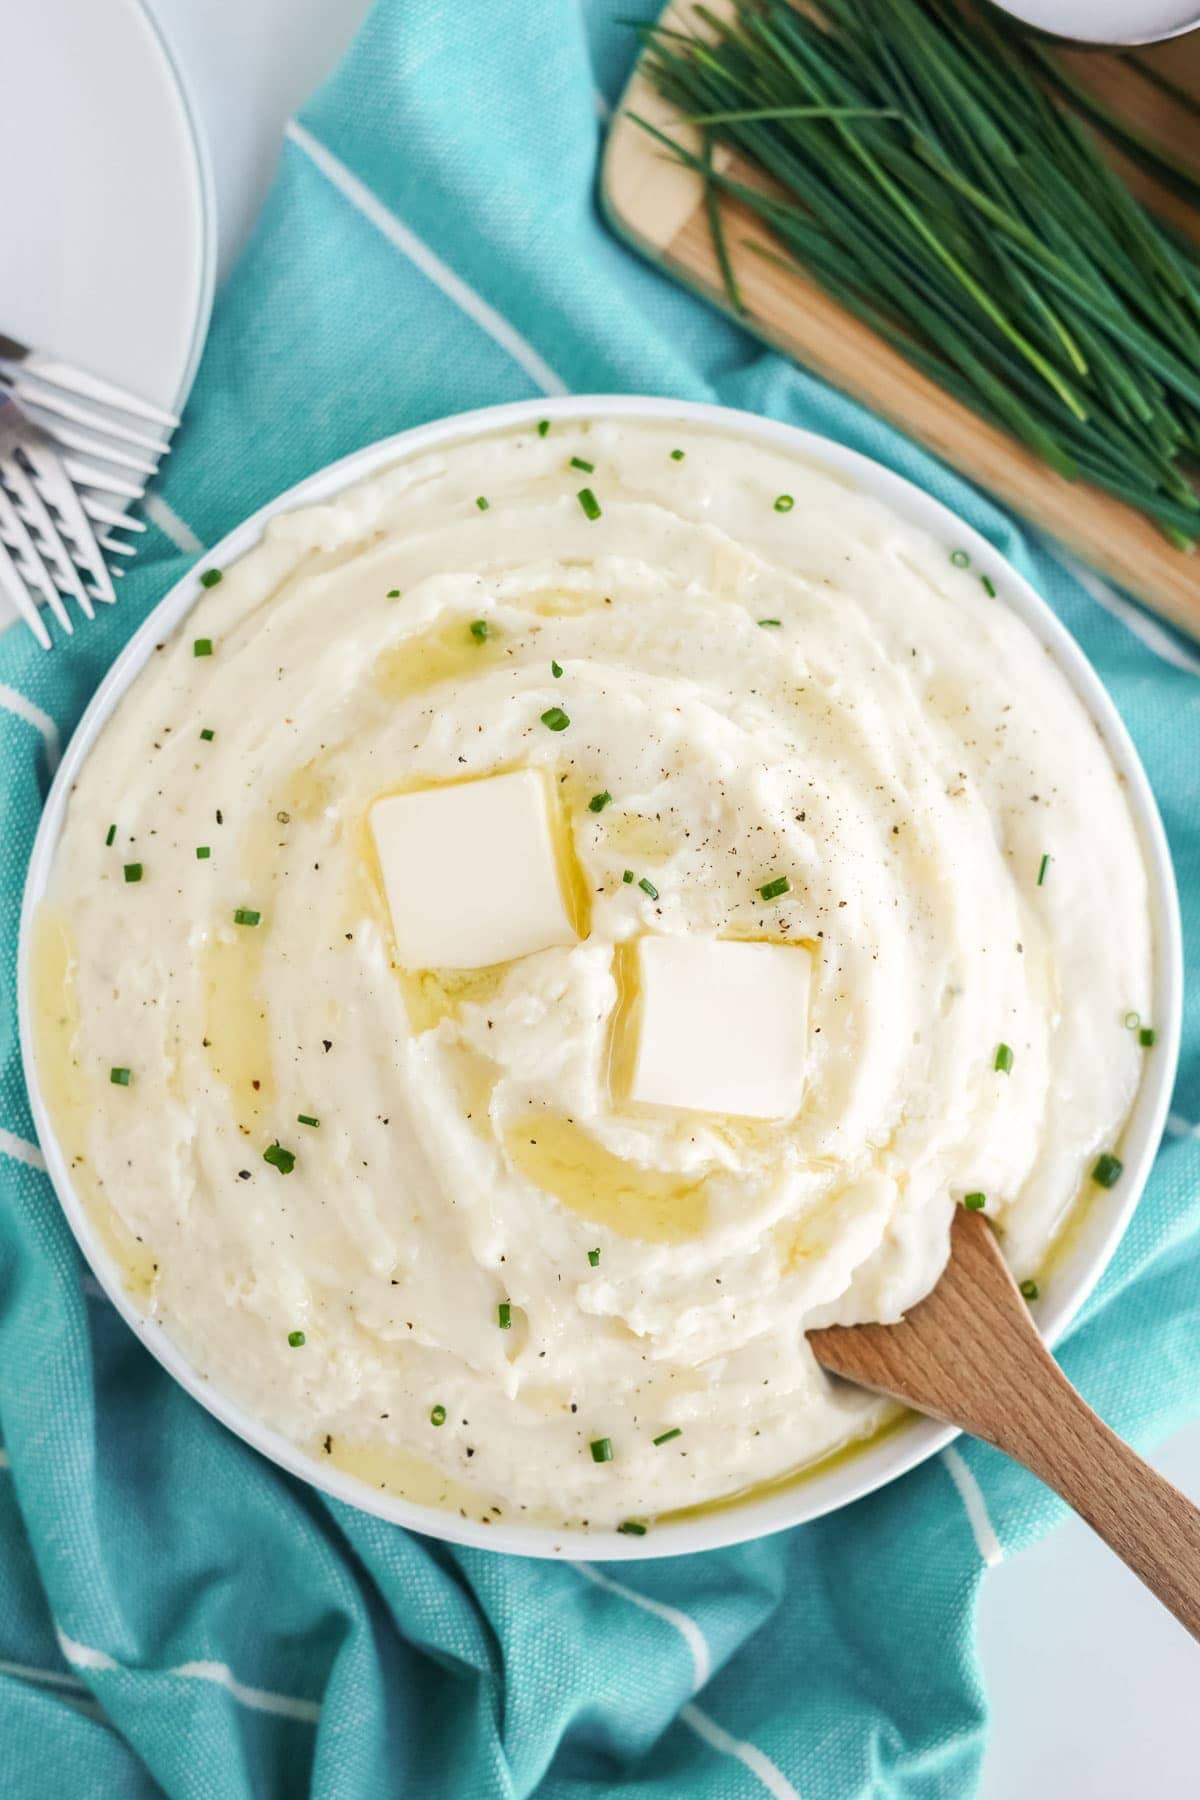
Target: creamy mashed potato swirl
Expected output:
[814,690]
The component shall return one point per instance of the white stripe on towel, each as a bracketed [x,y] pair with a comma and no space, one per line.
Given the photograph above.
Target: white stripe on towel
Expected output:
[1180,1127]
[4,1462]
[20,1150]
[170,524]
[687,1627]
[52,1677]
[430,264]
[33,715]
[1148,630]
[287,1706]
[772,1778]
[975,1507]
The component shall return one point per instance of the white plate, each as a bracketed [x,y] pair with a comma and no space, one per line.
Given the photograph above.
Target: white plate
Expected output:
[107,241]
[1092,1241]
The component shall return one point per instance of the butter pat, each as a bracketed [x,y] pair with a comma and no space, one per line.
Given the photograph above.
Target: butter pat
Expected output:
[470,872]
[721,1027]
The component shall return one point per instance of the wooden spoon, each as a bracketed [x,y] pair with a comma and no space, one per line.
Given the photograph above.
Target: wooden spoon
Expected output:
[970,1354]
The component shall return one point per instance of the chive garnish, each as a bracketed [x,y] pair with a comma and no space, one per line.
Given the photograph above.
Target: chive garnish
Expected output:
[1030,1290]
[1042,867]
[479,629]
[1131,1021]
[602,1450]
[202,647]
[119,1077]
[555,719]
[246,915]
[594,1258]
[481,502]
[627,877]
[677,456]
[504,1315]
[589,503]
[1147,1037]
[1107,1171]
[960,559]
[773,889]
[598,802]
[777,624]
[632,1528]
[1004,1059]
[279,1158]
[784,503]
[203,852]
[307,1119]
[588,468]
[211,577]
[989,586]
[207,734]
[648,887]
[110,835]
[133,871]
[393,593]
[974,1202]
[437,1415]
[543,427]
[296,1339]
[666,1436]
[556,670]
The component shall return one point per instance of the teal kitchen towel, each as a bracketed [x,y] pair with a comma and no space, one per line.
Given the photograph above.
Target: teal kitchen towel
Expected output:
[177,1615]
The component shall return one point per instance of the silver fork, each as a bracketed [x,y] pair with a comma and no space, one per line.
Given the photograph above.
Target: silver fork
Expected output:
[75,452]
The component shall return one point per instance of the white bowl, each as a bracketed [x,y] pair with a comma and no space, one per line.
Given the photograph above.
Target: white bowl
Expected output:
[1092,1242]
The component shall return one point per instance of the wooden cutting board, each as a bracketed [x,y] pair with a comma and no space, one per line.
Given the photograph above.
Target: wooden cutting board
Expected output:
[659,207]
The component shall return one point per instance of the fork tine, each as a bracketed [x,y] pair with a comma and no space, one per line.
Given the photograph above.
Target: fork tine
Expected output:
[32,396]
[28,559]
[33,510]
[53,480]
[109,515]
[87,475]
[15,588]
[56,373]
[94,446]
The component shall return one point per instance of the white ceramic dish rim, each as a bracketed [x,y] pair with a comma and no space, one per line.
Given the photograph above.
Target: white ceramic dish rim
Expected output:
[1096,1235]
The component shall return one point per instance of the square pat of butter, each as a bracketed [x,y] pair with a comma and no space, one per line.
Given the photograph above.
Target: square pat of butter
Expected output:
[721,1027]
[471,873]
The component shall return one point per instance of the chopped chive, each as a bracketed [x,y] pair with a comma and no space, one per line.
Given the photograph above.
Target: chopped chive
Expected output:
[211,578]
[1107,1171]
[556,670]
[784,503]
[504,1315]
[627,877]
[202,647]
[773,889]
[393,593]
[632,1528]
[989,586]
[110,835]
[666,1436]
[648,887]
[594,1258]
[296,1339]
[776,624]
[555,718]
[307,1119]
[588,468]
[589,503]
[246,915]
[437,1415]
[598,802]
[974,1202]
[1004,1060]
[1030,1290]
[960,559]
[481,502]
[1147,1037]
[602,1450]
[203,852]
[119,1077]
[207,734]
[479,629]
[543,427]
[1131,1021]
[133,871]
[677,456]
[279,1158]
[1042,867]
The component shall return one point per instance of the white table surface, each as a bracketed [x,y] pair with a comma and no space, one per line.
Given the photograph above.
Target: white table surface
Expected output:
[1092,1684]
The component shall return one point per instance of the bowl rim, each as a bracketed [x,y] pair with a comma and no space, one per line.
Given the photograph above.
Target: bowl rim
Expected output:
[1100,1223]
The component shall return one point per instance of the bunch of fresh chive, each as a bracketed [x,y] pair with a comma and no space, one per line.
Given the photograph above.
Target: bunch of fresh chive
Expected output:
[933,172]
